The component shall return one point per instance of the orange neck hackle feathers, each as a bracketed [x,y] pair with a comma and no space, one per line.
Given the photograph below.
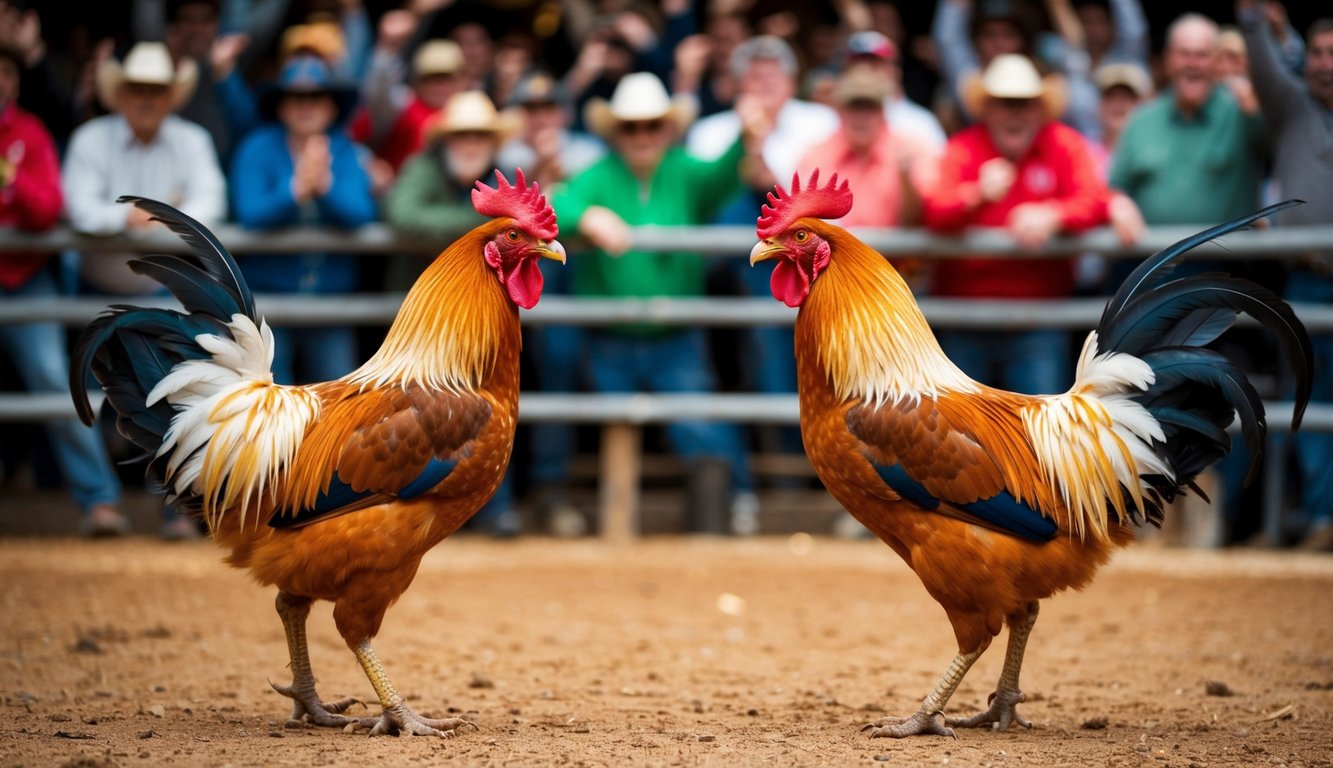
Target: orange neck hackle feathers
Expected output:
[453,323]
[864,325]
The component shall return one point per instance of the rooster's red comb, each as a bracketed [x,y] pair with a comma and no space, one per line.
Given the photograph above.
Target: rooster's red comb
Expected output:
[831,201]
[525,204]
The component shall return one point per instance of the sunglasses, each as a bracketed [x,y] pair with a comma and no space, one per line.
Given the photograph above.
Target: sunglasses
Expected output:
[632,127]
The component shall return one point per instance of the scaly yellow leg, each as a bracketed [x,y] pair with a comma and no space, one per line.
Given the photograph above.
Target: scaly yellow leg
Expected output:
[306,705]
[1003,709]
[924,721]
[398,717]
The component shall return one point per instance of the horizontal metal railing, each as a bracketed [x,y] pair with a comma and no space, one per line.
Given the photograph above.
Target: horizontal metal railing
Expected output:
[731,241]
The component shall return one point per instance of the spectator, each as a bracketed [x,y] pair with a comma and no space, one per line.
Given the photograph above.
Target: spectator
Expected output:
[141,148]
[1300,116]
[1191,156]
[878,53]
[765,71]
[1123,87]
[886,169]
[433,195]
[1114,31]
[1022,170]
[301,168]
[395,111]
[30,200]
[703,62]
[644,179]
[550,152]
[191,33]
[968,38]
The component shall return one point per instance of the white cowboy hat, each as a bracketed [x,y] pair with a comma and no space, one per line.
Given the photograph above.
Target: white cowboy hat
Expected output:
[472,111]
[1013,76]
[148,63]
[638,97]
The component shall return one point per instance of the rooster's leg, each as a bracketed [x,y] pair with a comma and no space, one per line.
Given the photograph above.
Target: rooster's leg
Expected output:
[1003,710]
[398,717]
[305,702]
[925,720]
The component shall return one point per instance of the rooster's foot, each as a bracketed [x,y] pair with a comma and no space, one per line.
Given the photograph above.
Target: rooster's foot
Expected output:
[1002,713]
[920,724]
[307,708]
[400,719]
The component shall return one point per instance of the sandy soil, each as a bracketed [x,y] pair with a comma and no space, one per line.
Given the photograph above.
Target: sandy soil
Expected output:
[674,651]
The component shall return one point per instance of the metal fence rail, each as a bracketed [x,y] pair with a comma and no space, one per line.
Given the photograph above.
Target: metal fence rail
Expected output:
[729,241]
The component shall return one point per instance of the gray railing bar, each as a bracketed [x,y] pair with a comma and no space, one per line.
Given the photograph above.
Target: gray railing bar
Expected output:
[727,241]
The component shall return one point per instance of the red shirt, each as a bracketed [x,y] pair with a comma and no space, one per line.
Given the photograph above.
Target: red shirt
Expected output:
[1057,168]
[404,137]
[31,200]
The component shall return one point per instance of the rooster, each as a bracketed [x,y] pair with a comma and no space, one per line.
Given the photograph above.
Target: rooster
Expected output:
[332,491]
[998,500]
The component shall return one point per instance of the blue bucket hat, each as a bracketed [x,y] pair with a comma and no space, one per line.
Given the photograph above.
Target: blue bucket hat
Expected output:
[307,74]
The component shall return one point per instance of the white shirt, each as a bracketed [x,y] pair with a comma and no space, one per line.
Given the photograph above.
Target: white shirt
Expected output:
[800,125]
[104,161]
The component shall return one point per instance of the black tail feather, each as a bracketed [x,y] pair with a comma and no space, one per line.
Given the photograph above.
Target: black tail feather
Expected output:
[130,349]
[1198,392]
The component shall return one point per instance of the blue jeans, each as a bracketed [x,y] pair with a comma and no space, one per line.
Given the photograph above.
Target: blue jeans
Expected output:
[674,363]
[557,357]
[770,353]
[327,353]
[38,352]
[1033,362]
[1314,450]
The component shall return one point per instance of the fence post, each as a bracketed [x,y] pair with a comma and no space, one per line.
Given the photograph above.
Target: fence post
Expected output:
[619,502]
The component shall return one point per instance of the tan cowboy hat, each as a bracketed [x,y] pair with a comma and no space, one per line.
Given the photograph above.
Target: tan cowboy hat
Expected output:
[472,111]
[321,36]
[147,63]
[640,96]
[1013,76]
[437,57]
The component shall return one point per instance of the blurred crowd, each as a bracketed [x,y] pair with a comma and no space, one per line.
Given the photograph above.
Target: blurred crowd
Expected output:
[1042,117]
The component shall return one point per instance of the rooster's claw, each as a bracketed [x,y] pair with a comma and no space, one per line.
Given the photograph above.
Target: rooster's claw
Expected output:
[920,724]
[1002,712]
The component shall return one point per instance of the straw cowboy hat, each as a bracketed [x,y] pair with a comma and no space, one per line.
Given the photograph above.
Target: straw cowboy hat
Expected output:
[472,111]
[437,57]
[1013,76]
[321,36]
[149,64]
[640,96]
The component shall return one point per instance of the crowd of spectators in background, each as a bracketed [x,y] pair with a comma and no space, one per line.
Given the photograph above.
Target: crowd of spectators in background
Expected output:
[1042,117]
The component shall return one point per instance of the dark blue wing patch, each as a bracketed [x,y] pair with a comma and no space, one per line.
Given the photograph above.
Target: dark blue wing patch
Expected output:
[340,494]
[1001,511]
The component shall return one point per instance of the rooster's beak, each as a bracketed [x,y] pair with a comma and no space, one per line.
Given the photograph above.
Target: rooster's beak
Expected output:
[552,249]
[764,250]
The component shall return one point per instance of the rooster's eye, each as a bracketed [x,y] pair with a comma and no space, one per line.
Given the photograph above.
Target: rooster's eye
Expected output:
[512,235]
[802,235]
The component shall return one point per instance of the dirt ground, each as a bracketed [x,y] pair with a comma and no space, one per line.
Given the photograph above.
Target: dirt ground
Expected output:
[672,651]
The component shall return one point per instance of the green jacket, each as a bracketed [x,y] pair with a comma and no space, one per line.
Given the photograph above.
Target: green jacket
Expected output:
[424,201]
[684,191]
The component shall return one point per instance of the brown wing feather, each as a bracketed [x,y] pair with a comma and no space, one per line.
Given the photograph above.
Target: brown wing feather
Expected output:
[380,440]
[959,448]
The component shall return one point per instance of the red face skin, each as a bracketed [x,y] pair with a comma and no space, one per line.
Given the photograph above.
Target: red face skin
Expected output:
[513,254]
[801,255]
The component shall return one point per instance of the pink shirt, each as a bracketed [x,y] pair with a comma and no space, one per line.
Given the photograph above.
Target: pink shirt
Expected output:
[875,178]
